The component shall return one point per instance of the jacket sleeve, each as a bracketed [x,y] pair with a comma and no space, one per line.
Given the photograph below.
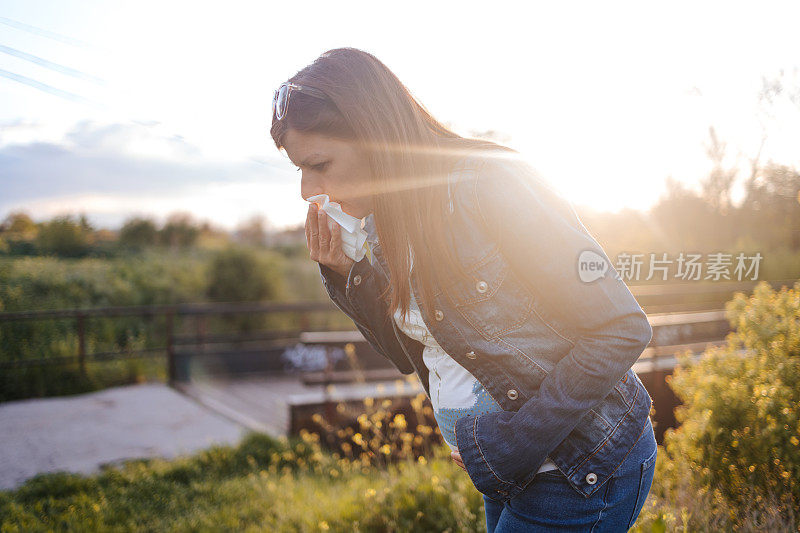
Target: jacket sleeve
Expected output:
[335,285]
[372,323]
[541,237]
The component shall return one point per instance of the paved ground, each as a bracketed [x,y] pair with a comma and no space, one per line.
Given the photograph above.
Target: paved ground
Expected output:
[80,433]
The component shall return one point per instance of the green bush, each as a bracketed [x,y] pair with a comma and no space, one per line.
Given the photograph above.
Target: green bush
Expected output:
[244,274]
[239,274]
[739,427]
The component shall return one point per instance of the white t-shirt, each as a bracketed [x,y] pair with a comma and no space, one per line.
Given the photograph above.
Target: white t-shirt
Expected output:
[454,390]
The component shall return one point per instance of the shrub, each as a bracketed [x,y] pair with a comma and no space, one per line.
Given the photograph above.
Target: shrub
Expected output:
[740,422]
[240,274]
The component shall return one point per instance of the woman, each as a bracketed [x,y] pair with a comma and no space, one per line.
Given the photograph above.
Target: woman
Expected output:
[472,282]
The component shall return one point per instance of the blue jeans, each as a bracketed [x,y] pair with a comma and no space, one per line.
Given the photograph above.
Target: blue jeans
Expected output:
[550,503]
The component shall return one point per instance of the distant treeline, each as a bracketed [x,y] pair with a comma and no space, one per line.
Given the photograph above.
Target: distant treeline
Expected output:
[766,219]
[74,236]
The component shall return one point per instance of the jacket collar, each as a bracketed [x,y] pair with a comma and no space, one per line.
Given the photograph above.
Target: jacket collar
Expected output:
[369,227]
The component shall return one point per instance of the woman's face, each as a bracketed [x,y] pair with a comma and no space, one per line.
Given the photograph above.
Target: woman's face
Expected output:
[331,166]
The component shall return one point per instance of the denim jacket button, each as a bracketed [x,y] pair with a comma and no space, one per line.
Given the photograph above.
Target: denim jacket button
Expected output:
[438,314]
[482,286]
[591,478]
[512,394]
[357,279]
[471,355]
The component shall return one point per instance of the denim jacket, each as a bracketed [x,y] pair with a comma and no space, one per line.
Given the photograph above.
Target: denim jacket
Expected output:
[554,351]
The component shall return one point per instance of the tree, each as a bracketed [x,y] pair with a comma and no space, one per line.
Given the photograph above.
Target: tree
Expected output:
[138,233]
[252,231]
[678,214]
[179,231]
[717,185]
[770,208]
[64,237]
[19,226]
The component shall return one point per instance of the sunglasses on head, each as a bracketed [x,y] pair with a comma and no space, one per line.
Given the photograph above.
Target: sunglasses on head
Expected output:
[280,102]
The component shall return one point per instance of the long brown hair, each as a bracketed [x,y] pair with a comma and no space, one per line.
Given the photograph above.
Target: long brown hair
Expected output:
[410,154]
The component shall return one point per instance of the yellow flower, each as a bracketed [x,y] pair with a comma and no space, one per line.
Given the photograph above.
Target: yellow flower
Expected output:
[400,421]
[324,525]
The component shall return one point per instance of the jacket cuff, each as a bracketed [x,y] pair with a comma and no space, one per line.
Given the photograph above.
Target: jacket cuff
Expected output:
[333,281]
[336,287]
[481,466]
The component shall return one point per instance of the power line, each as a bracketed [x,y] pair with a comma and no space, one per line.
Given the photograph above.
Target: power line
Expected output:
[44,87]
[44,33]
[49,64]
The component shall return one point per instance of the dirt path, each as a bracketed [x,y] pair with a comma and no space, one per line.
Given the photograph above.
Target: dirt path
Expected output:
[80,433]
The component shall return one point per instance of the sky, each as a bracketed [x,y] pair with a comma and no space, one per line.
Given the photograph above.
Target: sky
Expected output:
[118,109]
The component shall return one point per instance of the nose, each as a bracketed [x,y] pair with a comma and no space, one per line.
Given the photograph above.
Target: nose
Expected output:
[310,186]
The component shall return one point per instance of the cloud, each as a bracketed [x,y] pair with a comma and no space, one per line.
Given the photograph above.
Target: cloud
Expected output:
[113,169]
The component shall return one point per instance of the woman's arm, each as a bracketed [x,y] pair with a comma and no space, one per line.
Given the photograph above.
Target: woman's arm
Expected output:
[541,237]
[372,322]
[325,247]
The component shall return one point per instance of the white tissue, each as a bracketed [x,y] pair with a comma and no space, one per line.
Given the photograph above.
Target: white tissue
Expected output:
[354,238]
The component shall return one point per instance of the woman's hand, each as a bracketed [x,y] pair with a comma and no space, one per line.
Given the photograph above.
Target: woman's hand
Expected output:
[457,458]
[324,245]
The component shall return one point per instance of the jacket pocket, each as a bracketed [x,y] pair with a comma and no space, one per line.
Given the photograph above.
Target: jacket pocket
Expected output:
[646,474]
[492,299]
[627,387]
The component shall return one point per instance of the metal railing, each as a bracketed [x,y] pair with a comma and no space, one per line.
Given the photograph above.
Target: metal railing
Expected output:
[169,312]
[650,297]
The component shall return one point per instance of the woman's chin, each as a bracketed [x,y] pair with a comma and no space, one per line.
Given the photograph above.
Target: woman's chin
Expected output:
[349,209]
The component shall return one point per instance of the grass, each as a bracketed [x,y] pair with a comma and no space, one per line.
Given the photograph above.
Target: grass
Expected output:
[386,472]
[261,485]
